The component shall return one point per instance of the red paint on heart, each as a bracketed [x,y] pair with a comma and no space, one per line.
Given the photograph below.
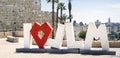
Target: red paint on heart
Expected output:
[45,28]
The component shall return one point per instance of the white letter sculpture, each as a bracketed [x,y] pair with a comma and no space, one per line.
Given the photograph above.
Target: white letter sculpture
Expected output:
[57,42]
[61,31]
[27,36]
[93,32]
[71,43]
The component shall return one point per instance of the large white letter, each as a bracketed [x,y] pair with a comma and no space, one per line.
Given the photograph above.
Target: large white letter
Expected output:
[71,43]
[61,31]
[27,36]
[93,32]
[57,42]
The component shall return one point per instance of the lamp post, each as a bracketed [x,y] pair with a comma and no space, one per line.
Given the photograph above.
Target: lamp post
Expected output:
[70,8]
[53,17]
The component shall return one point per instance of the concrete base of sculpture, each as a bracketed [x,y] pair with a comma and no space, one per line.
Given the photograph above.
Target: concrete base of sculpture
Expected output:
[97,52]
[31,50]
[51,50]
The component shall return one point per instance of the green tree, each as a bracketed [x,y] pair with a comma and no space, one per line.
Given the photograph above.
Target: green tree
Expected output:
[63,18]
[57,12]
[70,17]
[82,34]
[53,2]
[62,7]
[118,36]
[115,34]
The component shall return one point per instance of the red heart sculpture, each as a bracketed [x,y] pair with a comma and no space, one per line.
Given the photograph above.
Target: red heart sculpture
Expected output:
[45,28]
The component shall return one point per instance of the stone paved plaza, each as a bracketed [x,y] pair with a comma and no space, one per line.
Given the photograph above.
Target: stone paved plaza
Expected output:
[8,50]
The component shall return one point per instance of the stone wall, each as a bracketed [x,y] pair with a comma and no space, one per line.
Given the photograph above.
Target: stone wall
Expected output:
[13,13]
[112,44]
[5,34]
[10,33]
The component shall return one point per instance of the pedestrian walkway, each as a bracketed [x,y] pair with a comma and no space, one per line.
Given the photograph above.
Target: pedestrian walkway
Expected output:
[8,50]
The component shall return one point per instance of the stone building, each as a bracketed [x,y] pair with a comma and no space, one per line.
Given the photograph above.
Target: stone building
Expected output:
[109,25]
[78,27]
[97,23]
[13,13]
[112,27]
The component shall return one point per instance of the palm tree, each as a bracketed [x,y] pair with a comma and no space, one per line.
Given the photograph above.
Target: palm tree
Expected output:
[61,7]
[57,13]
[70,17]
[63,18]
[53,2]
[70,8]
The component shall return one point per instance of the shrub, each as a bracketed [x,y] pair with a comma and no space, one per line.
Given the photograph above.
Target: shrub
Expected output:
[82,34]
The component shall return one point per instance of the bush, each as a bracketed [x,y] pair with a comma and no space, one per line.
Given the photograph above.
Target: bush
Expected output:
[82,34]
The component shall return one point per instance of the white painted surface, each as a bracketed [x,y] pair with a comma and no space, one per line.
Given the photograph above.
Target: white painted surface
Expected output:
[71,43]
[57,42]
[101,33]
[27,36]
[63,30]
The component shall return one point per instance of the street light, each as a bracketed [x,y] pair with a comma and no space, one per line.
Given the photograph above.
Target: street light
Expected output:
[70,8]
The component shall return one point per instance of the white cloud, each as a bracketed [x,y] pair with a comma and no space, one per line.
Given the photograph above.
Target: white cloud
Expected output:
[115,6]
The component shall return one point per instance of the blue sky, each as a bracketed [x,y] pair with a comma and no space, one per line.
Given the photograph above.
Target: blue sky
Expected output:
[91,10]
